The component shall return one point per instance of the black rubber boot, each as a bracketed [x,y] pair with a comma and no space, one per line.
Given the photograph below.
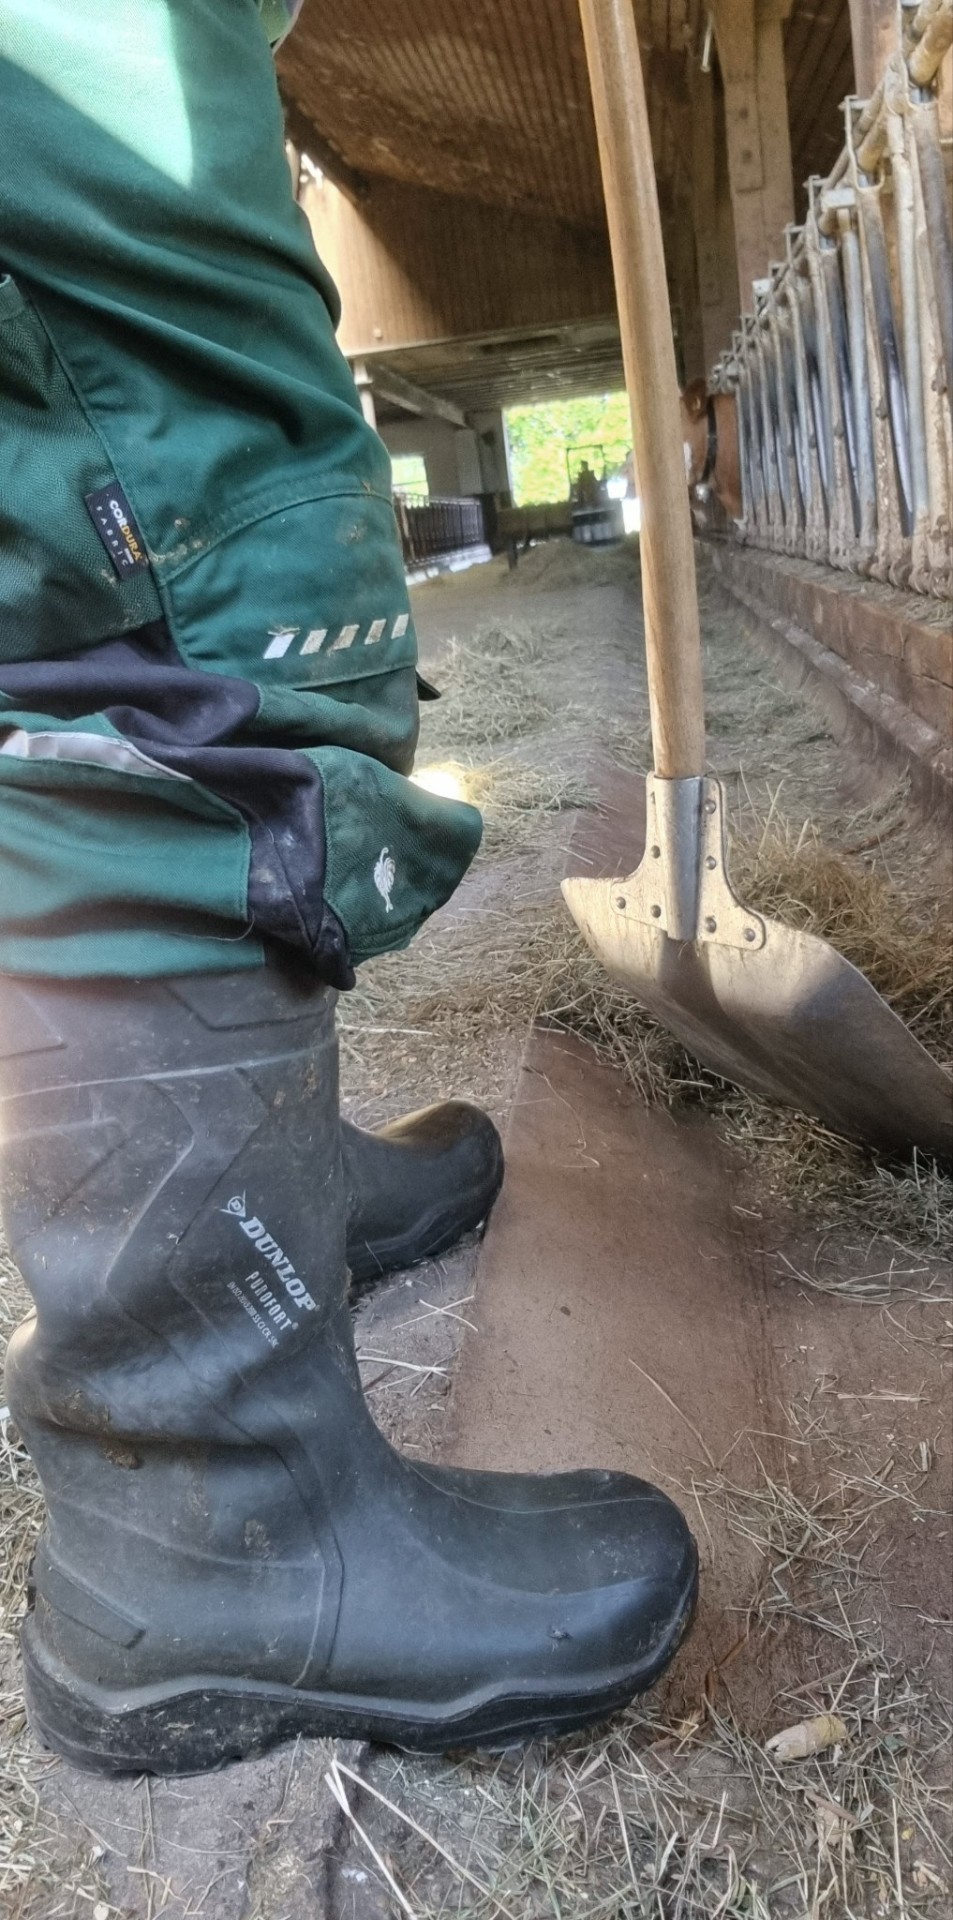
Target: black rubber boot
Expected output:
[415,1187]
[233,1555]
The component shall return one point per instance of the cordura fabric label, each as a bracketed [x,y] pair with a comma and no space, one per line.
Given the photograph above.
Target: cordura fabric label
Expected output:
[113,520]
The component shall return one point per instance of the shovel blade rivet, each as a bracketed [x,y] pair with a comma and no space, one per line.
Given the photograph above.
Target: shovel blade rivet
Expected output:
[710,806]
[711,863]
[750,933]
[711,924]
[620,903]
[656,853]
[656,913]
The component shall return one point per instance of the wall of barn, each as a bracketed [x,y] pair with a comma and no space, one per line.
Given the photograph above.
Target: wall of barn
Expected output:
[494,453]
[414,266]
[458,460]
[450,454]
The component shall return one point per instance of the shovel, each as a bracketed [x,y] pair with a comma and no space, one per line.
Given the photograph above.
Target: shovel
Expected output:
[763,1004]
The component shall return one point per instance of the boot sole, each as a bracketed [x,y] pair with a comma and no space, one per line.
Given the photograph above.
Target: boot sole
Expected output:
[211,1721]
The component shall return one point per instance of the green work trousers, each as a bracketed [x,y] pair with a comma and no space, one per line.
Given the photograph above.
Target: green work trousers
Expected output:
[208,700]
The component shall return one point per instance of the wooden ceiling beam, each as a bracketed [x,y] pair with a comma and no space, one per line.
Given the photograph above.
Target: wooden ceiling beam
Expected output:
[401,392]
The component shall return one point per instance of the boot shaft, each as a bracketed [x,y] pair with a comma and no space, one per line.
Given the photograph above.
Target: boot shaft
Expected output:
[172,1192]
[233,1554]
[170,1184]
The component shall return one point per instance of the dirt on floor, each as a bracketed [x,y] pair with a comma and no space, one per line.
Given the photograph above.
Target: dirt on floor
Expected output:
[766,1330]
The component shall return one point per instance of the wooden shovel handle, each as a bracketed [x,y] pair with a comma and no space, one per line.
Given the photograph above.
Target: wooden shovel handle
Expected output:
[673,643]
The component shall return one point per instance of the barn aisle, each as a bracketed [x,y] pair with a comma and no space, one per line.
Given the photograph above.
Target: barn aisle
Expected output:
[675,1280]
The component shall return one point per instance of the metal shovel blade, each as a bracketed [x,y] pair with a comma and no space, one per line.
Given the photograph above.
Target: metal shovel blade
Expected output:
[774,1009]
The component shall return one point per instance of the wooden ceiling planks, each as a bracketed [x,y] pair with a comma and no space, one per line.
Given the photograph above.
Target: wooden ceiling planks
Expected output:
[490,101]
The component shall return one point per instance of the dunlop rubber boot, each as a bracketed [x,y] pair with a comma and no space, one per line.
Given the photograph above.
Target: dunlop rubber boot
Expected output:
[233,1555]
[415,1187]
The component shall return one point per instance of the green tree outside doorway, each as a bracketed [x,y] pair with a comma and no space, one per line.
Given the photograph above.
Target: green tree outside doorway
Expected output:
[539,437]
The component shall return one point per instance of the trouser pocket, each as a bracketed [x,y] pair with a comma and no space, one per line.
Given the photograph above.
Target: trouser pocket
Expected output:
[63,582]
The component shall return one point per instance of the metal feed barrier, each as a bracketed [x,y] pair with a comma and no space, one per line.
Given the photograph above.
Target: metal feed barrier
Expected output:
[432,528]
[843,374]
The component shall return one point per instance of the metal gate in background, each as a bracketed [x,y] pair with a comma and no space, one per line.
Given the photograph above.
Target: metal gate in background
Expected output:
[434,529]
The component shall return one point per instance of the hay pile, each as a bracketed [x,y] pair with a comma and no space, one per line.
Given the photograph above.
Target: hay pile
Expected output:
[906,950]
[455,1000]
[515,799]
[556,565]
[494,690]
[451,1004]
[802,861]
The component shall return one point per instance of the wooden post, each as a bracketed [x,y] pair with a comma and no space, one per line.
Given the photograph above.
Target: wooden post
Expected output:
[365,386]
[685,274]
[750,39]
[875,32]
[727,244]
[775,129]
[672,637]
[670,83]
[712,221]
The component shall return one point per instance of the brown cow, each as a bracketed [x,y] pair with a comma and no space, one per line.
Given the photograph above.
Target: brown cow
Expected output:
[710,436]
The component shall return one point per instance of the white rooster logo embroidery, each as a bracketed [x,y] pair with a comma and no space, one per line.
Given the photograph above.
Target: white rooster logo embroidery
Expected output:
[385,873]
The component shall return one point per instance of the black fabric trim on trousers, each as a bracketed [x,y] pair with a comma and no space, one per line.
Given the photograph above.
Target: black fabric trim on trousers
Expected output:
[189,722]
